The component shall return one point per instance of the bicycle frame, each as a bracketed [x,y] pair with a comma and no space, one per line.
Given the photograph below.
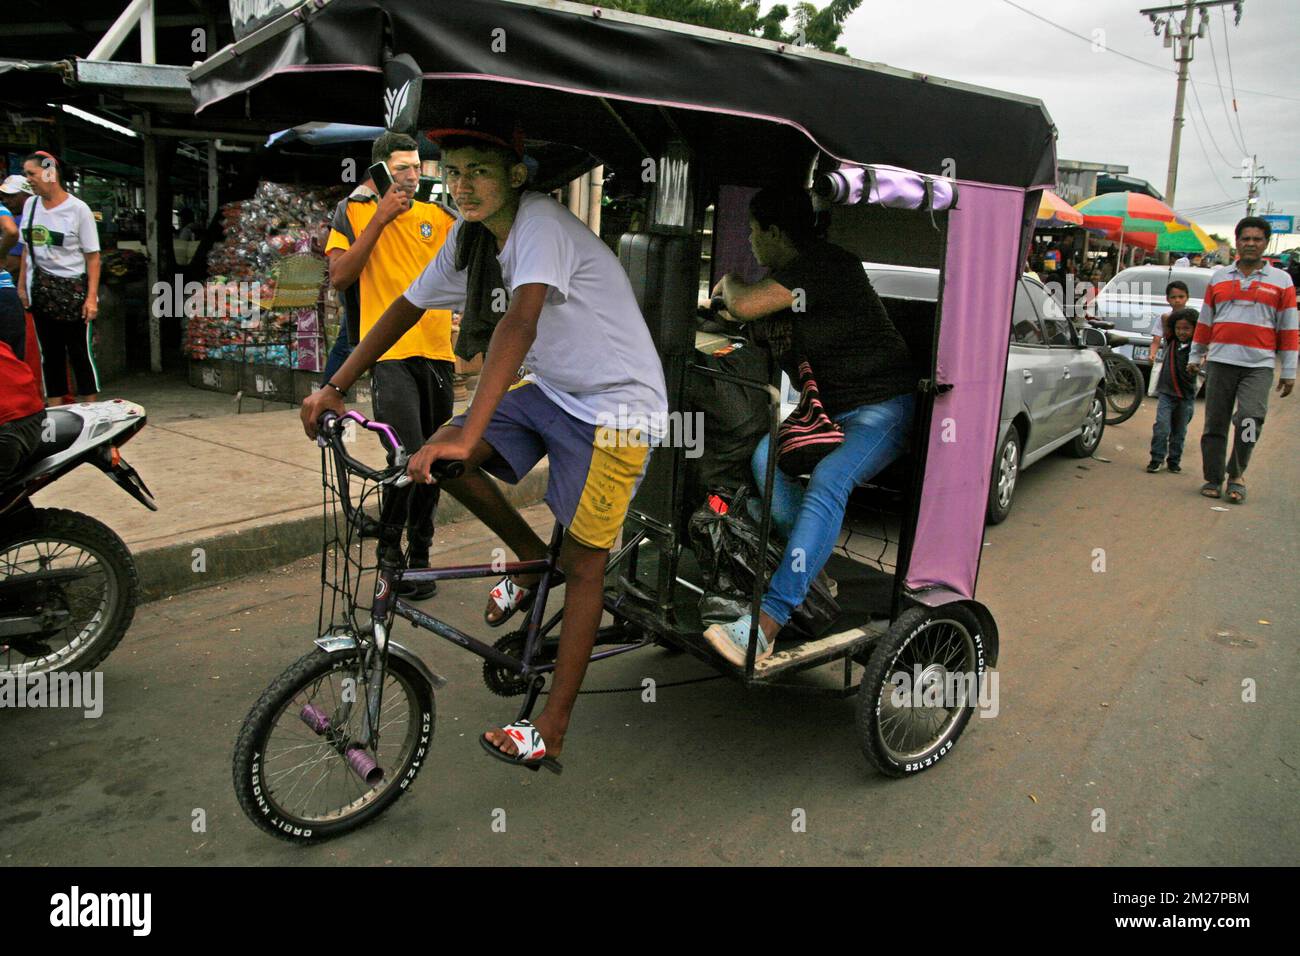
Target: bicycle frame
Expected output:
[387,605]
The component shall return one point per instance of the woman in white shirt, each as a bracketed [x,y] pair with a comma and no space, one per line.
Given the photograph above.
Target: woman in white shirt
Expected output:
[59,280]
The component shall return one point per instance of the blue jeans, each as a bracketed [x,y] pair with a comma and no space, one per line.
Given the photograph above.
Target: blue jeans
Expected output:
[809,519]
[1173,414]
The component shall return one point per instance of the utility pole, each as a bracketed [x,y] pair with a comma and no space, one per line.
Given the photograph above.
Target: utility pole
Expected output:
[1181,36]
[1253,173]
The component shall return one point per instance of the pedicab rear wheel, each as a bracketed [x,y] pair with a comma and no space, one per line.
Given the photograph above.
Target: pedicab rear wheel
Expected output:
[920,688]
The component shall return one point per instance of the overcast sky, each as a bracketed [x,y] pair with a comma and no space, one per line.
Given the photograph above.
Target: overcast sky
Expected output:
[1108,109]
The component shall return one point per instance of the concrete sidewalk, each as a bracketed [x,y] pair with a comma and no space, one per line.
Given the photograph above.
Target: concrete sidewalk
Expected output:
[243,488]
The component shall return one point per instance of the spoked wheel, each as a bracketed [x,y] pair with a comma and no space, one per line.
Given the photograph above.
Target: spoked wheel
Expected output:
[301,770]
[68,591]
[1124,388]
[920,688]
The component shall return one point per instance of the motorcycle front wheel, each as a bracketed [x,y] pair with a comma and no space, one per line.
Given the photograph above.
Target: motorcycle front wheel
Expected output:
[68,592]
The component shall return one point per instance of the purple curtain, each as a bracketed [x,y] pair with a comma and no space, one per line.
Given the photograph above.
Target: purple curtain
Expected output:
[981,267]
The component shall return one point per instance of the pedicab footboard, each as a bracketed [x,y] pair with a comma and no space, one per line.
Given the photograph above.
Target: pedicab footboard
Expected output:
[820,651]
[864,597]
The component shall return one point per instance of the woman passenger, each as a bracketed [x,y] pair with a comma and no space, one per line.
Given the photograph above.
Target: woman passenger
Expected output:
[864,376]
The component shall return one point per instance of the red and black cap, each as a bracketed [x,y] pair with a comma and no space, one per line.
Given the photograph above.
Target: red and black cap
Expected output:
[500,130]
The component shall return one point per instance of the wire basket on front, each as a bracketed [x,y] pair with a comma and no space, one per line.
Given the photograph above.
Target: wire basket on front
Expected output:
[349,549]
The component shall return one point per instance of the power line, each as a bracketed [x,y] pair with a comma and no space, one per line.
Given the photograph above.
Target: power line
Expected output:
[1227,50]
[1089,40]
[1110,49]
[1204,152]
[1239,143]
[1191,211]
[1206,122]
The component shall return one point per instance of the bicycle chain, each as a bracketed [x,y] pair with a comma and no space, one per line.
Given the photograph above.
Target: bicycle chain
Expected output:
[503,683]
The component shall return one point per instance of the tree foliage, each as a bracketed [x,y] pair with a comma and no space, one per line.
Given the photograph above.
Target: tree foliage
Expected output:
[807,25]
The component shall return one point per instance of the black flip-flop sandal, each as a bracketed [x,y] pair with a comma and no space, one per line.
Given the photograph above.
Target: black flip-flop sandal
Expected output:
[529,743]
[1238,489]
[1209,487]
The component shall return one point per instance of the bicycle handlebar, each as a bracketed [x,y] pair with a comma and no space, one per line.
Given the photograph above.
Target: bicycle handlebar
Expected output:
[329,431]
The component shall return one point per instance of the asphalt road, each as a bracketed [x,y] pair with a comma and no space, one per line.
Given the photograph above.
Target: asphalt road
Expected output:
[1120,691]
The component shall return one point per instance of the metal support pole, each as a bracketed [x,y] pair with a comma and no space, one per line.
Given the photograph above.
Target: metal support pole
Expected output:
[213,181]
[578,197]
[597,177]
[153,236]
[148,47]
[121,29]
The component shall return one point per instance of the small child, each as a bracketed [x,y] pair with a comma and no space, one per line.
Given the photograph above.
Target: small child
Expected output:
[1176,389]
[1176,295]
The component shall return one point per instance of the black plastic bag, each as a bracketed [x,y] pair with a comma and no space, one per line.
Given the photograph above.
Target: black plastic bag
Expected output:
[735,417]
[726,547]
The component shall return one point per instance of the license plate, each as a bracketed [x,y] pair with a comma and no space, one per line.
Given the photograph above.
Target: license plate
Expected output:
[1141,352]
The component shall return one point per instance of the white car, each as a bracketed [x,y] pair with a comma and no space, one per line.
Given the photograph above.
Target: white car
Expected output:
[1135,299]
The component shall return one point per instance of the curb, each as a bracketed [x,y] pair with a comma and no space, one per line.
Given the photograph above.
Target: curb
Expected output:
[169,570]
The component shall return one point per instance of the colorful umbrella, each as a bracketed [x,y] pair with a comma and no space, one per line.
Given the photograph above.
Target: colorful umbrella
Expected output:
[1054,212]
[1128,217]
[1190,238]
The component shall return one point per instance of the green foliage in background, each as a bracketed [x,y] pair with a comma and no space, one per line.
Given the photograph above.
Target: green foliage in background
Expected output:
[806,24]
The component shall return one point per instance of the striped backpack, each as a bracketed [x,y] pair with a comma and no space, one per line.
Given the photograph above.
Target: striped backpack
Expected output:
[807,435]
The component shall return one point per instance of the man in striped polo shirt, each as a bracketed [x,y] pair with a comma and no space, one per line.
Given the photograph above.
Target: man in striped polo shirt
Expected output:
[1247,324]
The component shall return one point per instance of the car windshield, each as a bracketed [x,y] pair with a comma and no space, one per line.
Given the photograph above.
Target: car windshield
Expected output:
[1150,282]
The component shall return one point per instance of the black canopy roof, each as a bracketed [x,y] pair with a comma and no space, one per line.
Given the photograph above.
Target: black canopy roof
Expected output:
[748,107]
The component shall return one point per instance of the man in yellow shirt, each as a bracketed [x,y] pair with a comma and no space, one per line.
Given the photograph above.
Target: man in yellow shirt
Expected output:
[377,248]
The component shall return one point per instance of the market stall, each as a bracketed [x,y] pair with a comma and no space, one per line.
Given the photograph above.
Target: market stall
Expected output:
[258,326]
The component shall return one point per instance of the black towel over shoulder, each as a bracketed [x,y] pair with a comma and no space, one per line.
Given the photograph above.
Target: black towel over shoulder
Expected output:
[476,252]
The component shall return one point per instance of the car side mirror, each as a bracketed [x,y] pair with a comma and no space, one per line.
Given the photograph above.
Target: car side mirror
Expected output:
[1092,338]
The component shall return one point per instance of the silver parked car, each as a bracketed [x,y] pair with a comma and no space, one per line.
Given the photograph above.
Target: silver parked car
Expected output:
[1135,299]
[1053,395]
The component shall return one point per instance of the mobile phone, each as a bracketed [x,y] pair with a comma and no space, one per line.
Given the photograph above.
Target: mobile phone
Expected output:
[424,191]
[383,179]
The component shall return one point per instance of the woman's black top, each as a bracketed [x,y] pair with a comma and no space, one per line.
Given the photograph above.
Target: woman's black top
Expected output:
[840,326]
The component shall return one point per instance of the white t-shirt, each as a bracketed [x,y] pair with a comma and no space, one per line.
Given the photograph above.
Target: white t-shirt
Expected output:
[593,355]
[59,238]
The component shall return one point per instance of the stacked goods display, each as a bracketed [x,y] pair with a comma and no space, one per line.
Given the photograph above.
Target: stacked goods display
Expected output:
[262,302]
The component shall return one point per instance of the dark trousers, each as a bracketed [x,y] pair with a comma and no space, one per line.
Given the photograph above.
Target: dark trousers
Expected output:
[416,397]
[1229,388]
[63,342]
[1173,414]
[343,346]
[18,439]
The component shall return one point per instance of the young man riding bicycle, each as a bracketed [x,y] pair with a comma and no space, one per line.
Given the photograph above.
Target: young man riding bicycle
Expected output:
[574,324]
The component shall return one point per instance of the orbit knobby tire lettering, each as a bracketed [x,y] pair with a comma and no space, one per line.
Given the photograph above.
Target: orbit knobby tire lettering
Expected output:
[876,685]
[250,783]
[110,551]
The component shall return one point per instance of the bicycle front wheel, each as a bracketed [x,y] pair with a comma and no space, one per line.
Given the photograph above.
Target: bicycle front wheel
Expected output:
[302,769]
[1124,389]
